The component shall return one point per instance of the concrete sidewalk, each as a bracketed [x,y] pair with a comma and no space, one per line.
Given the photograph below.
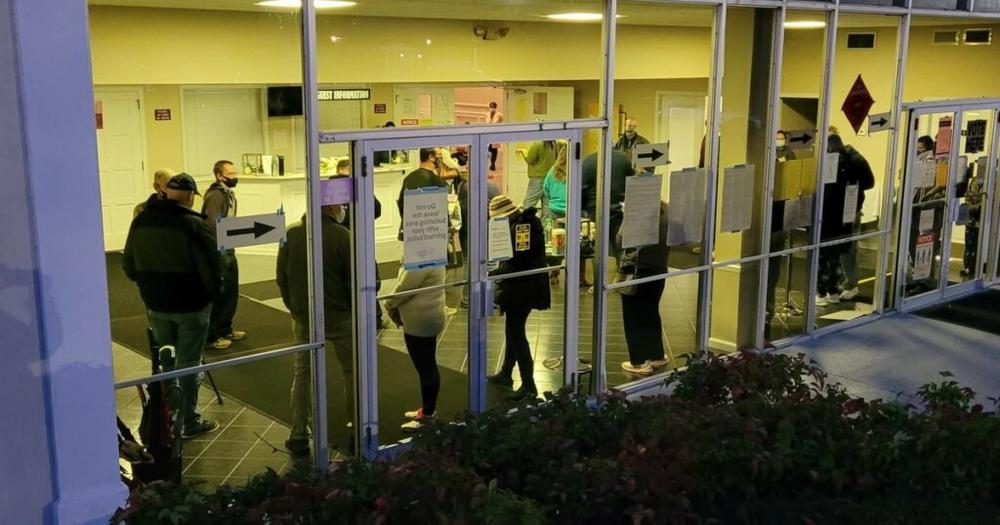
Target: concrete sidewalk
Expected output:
[897,354]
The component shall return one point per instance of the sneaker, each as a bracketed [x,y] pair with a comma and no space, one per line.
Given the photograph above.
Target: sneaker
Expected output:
[450,311]
[821,300]
[411,426]
[522,393]
[644,369]
[200,428]
[219,344]
[500,379]
[833,298]
[847,295]
[298,446]
[659,363]
[236,335]
[418,415]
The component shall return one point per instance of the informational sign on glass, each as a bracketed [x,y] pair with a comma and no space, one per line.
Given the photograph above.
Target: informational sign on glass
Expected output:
[686,210]
[640,226]
[500,247]
[425,227]
[737,198]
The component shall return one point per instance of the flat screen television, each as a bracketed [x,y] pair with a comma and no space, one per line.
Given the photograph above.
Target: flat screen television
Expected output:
[284,101]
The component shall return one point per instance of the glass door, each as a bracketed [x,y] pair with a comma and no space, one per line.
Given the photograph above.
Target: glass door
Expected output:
[969,202]
[926,206]
[414,273]
[529,273]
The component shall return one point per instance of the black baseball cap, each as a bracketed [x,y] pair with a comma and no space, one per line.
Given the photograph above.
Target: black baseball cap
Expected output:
[184,182]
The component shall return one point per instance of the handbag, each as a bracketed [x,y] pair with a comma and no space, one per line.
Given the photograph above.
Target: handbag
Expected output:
[620,277]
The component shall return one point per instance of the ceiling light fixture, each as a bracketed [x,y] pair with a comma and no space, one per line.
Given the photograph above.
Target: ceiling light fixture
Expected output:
[805,24]
[319,4]
[576,17]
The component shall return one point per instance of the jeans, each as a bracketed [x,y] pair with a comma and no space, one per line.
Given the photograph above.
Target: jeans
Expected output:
[534,194]
[224,307]
[340,337]
[422,352]
[830,270]
[518,349]
[849,258]
[186,332]
[643,326]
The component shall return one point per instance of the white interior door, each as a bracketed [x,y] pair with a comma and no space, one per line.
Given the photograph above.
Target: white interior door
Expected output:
[681,121]
[221,124]
[121,160]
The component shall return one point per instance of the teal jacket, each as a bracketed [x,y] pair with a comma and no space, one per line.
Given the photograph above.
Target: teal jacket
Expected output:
[555,192]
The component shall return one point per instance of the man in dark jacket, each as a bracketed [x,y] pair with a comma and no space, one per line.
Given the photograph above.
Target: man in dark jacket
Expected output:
[171,255]
[294,284]
[220,202]
[621,167]
[422,177]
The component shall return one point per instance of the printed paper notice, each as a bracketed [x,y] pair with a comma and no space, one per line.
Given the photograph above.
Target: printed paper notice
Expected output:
[963,165]
[850,203]
[926,172]
[830,168]
[737,198]
[336,191]
[500,247]
[798,213]
[425,228]
[686,210]
[926,221]
[923,257]
[641,224]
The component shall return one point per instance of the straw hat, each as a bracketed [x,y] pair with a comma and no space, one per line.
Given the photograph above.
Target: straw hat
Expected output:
[501,206]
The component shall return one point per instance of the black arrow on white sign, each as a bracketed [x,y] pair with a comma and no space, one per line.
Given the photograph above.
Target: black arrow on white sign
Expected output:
[880,122]
[802,139]
[258,229]
[652,155]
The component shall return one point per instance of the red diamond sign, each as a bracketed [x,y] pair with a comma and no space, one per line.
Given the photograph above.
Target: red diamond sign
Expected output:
[857,104]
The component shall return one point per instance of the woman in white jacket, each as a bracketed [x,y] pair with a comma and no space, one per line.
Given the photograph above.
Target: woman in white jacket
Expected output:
[422,319]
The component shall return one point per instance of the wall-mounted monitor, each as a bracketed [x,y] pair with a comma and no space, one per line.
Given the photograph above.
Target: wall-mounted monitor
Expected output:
[284,101]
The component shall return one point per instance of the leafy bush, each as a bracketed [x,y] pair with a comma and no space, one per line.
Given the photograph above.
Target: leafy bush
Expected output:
[759,438]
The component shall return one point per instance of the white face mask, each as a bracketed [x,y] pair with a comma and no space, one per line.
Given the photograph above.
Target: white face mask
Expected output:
[780,143]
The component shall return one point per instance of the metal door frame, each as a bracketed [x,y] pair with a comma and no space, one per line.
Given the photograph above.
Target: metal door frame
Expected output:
[943,290]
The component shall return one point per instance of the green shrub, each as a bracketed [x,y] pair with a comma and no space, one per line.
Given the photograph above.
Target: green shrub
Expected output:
[759,438]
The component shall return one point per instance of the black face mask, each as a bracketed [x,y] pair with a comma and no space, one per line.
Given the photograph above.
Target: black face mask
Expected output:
[230,183]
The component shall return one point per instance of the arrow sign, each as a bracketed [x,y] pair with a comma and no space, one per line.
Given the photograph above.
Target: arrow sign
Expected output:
[257,230]
[801,139]
[879,122]
[233,232]
[649,155]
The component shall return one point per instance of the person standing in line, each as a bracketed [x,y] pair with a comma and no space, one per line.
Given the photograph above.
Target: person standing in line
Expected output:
[292,277]
[621,167]
[424,176]
[519,296]
[539,157]
[219,203]
[493,117]
[422,319]
[832,227]
[782,151]
[170,254]
[160,179]
[641,311]
[554,187]
[860,174]
[630,138]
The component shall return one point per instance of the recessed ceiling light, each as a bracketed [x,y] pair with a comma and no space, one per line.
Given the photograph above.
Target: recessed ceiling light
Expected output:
[578,17]
[805,24]
[319,4]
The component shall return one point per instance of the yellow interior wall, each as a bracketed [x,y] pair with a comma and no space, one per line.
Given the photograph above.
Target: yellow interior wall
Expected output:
[164,138]
[939,71]
[802,63]
[176,46]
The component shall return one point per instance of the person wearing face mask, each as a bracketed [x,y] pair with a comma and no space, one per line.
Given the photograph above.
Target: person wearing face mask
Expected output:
[160,179]
[782,151]
[424,176]
[220,202]
[170,254]
[493,117]
[631,138]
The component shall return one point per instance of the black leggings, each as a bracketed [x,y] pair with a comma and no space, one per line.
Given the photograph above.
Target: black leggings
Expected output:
[493,156]
[422,350]
[518,349]
[643,326]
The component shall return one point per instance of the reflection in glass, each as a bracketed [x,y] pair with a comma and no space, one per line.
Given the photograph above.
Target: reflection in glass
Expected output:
[970,183]
[787,293]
